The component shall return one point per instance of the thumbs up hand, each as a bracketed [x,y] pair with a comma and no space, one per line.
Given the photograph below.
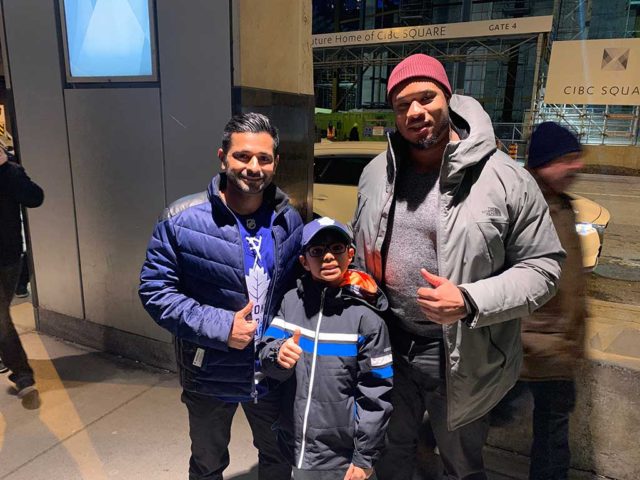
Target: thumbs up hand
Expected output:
[444,303]
[243,328]
[290,351]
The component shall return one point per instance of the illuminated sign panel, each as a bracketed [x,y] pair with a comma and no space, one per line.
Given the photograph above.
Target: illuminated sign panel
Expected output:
[108,40]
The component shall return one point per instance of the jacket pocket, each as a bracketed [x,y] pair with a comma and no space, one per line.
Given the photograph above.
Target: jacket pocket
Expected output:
[191,357]
[492,234]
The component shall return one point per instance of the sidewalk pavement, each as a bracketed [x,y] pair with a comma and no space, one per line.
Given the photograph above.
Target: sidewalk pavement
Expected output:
[105,417]
[102,417]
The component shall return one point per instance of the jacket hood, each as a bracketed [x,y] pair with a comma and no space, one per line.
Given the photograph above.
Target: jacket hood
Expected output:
[356,285]
[272,194]
[468,116]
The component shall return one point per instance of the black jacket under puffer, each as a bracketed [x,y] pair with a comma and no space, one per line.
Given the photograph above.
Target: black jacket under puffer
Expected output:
[16,189]
[344,376]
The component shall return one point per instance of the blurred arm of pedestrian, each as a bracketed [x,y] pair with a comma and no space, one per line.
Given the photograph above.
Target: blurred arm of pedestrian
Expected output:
[14,179]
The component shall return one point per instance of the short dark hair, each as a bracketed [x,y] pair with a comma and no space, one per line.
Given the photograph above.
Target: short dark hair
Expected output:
[249,123]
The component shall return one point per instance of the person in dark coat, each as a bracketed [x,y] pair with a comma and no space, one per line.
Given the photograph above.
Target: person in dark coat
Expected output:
[354,135]
[553,336]
[16,190]
[217,265]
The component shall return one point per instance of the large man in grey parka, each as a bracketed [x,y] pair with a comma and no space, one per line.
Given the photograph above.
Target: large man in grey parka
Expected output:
[459,237]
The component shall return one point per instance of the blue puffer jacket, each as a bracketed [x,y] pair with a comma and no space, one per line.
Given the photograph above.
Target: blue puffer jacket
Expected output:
[192,283]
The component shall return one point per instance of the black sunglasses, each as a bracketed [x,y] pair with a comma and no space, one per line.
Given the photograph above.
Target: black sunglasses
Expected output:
[319,250]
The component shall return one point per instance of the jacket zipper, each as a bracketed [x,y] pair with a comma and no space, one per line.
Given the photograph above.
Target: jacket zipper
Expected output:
[254,390]
[311,379]
[445,328]
[265,312]
[275,272]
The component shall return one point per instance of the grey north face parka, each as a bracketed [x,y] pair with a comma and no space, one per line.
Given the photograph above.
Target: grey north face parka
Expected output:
[495,239]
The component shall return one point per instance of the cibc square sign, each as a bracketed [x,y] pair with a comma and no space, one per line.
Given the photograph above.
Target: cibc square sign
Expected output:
[594,72]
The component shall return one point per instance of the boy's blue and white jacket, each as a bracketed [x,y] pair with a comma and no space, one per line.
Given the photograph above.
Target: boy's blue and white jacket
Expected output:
[343,378]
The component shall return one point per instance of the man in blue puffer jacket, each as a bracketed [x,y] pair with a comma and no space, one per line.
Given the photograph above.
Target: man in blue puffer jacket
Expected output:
[217,265]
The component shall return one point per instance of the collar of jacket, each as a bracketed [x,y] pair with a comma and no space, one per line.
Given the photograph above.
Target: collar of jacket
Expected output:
[359,287]
[467,115]
[272,195]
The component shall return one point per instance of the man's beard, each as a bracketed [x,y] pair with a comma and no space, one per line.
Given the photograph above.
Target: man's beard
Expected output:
[240,184]
[439,132]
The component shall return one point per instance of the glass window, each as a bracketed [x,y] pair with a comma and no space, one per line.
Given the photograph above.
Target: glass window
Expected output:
[339,170]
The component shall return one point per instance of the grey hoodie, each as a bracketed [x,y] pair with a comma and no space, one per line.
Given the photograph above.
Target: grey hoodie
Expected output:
[495,239]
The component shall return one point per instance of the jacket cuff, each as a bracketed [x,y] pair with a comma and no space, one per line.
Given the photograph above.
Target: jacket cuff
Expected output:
[362,461]
[472,309]
[274,350]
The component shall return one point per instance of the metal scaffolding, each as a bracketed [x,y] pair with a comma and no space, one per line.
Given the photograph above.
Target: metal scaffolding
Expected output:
[339,71]
[506,74]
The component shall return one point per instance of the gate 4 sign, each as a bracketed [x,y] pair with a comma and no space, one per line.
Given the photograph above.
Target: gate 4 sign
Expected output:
[444,31]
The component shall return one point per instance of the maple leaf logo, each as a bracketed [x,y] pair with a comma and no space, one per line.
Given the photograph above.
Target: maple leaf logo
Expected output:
[258,285]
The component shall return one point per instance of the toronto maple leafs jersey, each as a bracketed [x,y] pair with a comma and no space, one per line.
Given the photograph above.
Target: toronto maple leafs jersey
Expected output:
[257,243]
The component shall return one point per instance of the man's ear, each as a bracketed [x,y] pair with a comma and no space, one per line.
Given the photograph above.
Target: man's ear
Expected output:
[303,262]
[276,161]
[351,253]
[222,156]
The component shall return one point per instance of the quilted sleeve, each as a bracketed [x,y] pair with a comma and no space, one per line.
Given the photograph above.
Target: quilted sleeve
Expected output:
[161,296]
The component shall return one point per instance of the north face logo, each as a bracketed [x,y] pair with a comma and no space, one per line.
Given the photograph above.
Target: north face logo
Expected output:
[492,212]
[615,59]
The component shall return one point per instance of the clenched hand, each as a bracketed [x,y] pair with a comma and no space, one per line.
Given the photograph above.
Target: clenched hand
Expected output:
[357,473]
[243,329]
[290,351]
[444,303]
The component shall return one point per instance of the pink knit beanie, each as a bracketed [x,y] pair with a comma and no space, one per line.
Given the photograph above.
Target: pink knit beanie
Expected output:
[415,66]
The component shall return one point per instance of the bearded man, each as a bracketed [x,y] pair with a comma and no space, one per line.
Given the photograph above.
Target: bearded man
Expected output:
[459,237]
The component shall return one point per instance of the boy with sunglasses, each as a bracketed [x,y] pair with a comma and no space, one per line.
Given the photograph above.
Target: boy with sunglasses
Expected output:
[330,337]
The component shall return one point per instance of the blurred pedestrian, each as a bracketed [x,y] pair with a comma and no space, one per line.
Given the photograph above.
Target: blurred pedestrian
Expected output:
[553,336]
[354,135]
[331,131]
[16,190]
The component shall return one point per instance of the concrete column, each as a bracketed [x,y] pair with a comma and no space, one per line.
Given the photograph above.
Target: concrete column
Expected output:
[273,74]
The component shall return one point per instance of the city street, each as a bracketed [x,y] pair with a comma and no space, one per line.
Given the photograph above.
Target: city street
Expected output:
[617,276]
